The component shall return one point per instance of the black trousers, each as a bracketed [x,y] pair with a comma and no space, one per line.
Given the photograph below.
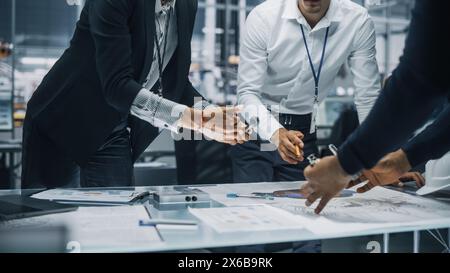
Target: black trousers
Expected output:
[250,164]
[110,166]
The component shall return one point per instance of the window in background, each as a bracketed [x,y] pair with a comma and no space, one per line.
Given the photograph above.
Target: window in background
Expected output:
[6,86]
[43,30]
[216,47]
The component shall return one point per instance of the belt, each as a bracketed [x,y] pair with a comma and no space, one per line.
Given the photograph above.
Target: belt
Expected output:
[294,121]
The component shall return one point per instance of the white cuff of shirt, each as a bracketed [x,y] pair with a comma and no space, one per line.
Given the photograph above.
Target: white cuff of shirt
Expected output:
[269,128]
[159,112]
[266,123]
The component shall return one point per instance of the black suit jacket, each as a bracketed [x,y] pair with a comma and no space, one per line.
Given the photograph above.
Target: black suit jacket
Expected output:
[91,87]
[417,86]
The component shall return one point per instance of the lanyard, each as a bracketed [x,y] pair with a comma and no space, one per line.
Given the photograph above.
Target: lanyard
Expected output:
[313,126]
[162,56]
[316,76]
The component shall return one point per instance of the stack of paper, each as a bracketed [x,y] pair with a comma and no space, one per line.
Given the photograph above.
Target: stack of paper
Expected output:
[219,192]
[98,229]
[247,218]
[89,195]
[378,208]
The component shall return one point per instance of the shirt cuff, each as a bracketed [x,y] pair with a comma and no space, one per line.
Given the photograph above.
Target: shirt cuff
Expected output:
[159,112]
[268,129]
[261,120]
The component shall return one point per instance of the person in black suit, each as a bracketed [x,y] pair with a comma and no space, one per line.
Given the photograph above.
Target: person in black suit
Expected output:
[124,76]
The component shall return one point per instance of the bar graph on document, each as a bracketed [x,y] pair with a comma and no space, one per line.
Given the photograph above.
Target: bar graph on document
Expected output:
[246,218]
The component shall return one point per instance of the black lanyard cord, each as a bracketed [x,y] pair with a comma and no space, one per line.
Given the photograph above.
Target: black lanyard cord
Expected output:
[316,76]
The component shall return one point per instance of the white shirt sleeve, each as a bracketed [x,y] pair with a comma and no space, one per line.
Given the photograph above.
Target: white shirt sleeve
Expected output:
[364,67]
[159,112]
[252,68]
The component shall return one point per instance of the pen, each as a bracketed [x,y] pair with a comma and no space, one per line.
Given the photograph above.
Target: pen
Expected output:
[297,151]
[295,195]
[154,222]
[235,195]
[333,149]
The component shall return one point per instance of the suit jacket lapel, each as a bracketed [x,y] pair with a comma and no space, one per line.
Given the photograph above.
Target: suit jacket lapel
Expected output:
[150,28]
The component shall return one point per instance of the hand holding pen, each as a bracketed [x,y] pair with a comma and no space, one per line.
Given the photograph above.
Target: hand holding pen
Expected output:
[290,145]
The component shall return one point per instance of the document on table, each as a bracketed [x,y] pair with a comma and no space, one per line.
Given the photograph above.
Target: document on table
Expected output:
[219,193]
[90,195]
[104,229]
[246,218]
[378,208]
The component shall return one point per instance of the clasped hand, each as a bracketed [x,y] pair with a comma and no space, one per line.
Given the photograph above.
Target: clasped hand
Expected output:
[221,124]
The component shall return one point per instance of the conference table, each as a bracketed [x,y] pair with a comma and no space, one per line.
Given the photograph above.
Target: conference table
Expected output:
[204,237]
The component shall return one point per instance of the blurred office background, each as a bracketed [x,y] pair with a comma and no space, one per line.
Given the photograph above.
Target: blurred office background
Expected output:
[37,32]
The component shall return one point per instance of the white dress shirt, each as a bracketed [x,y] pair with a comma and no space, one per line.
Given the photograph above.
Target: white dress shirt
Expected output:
[148,106]
[274,70]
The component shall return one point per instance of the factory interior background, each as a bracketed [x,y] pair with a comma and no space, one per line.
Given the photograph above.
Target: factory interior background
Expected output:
[37,33]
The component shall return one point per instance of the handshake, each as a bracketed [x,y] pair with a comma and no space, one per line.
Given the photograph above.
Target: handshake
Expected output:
[221,124]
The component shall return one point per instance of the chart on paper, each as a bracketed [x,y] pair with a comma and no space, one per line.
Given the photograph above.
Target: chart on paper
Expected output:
[246,218]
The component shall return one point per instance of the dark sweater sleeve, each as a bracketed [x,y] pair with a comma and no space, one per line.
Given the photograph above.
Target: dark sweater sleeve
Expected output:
[418,84]
[432,143]
[108,21]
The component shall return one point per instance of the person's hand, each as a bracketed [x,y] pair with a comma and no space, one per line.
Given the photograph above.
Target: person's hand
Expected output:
[391,170]
[374,178]
[326,179]
[289,144]
[221,124]
[5,50]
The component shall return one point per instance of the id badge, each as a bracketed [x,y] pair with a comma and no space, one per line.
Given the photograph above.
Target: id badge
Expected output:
[315,111]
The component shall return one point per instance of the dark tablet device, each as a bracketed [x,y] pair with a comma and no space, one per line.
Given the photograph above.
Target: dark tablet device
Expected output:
[17,206]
